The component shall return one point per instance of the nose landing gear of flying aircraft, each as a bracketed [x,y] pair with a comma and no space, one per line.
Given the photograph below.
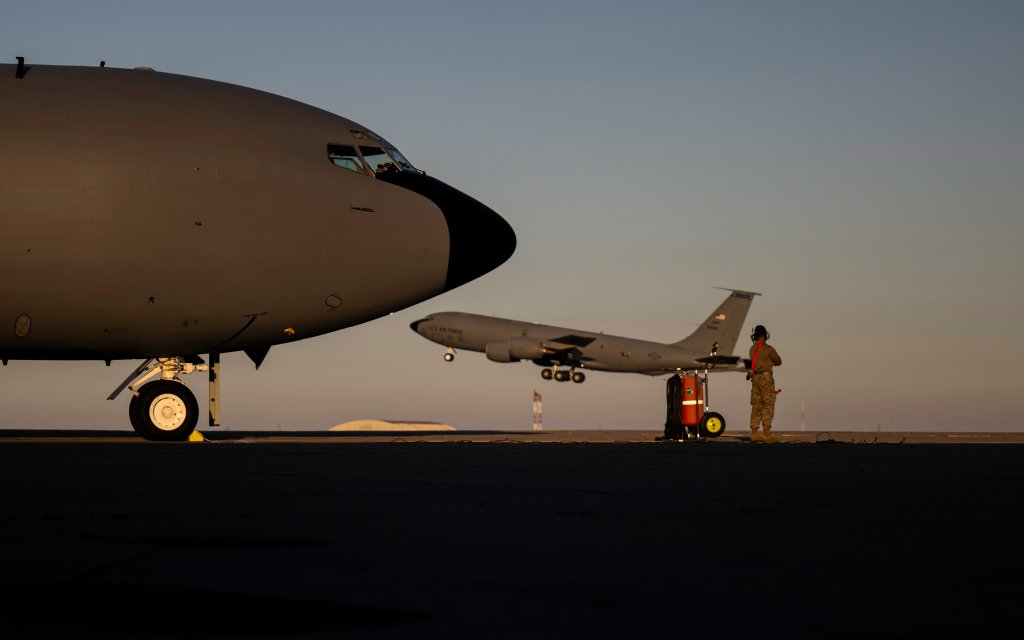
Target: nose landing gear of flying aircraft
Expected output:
[449,355]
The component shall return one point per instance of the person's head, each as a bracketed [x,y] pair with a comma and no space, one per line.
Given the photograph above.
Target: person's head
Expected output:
[759,332]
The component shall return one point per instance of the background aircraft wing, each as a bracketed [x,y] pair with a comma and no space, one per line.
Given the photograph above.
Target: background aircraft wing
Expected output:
[565,350]
[569,339]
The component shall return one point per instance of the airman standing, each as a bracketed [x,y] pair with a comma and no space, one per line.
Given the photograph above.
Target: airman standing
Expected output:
[763,357]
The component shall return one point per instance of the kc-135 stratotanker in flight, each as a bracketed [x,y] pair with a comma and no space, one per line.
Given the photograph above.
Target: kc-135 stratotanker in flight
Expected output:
[157,217]
[563,351]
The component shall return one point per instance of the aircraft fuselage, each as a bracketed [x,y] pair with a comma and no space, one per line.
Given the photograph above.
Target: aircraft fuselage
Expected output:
[505,340]
[151,214]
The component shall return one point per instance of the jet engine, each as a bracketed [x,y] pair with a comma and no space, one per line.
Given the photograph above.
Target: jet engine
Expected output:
[498,352]
[514,350]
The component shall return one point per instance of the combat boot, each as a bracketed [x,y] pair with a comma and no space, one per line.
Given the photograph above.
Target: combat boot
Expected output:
[768,437]
[755,435]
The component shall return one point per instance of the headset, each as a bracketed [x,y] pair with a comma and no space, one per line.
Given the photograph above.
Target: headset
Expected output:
[759,331]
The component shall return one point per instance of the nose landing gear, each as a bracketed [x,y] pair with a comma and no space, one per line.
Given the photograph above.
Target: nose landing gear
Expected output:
[164,410]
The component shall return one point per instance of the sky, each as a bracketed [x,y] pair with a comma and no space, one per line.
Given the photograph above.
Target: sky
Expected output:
[860,164]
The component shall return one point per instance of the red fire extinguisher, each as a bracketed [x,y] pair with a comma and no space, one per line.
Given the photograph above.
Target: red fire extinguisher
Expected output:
[693,400]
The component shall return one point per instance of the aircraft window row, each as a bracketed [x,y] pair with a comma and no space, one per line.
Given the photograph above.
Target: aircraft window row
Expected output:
[367,160]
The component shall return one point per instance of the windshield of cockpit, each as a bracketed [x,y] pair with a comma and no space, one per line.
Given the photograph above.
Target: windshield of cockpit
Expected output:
[368,160]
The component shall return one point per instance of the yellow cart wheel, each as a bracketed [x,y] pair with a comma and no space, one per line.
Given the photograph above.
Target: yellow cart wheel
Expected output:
[712,425]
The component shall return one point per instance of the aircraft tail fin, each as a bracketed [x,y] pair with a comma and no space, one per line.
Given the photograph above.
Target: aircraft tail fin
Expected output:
[722,326]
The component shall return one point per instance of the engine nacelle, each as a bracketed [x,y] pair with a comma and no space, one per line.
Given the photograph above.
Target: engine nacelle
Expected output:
[498,352]
[525,349]
[514,350]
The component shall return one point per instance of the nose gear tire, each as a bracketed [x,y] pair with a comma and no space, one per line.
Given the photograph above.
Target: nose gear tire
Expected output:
[164,411]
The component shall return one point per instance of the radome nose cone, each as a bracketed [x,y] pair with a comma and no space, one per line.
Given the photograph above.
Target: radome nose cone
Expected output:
[480,240]
[415,326]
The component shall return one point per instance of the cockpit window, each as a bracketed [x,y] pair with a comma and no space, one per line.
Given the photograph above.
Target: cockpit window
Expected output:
[378,161]
[404,164]
[368,161]
[384,160]
[345,156]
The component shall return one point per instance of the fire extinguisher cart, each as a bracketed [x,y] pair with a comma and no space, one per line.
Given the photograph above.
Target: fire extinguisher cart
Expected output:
[689,415]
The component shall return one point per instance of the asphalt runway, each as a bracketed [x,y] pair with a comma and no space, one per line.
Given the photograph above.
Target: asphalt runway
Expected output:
[510,535]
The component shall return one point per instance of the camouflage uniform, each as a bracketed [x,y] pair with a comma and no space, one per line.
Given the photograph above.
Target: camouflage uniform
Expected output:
[762,388]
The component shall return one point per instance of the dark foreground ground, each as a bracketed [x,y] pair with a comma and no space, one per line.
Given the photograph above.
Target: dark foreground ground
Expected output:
[259,535]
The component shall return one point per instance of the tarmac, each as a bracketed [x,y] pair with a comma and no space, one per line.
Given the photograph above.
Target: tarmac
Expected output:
[510,534]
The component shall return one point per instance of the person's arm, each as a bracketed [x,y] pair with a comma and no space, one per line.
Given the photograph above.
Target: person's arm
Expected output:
[776,358]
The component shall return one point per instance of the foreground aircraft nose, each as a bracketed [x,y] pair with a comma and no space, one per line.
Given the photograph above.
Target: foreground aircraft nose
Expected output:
[480,240]
[415,326]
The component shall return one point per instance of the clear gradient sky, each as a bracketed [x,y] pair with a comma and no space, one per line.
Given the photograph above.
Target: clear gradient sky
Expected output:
[859,163]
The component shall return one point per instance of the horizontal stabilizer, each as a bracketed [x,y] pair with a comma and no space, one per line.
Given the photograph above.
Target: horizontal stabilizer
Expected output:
[719,360]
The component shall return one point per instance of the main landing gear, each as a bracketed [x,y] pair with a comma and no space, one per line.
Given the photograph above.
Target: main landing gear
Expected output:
[165,410]
[561,375]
